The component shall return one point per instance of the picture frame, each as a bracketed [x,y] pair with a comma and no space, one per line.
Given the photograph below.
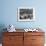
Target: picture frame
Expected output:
[26,14]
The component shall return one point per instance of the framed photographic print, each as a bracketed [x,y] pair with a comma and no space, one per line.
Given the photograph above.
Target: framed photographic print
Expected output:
[26,14]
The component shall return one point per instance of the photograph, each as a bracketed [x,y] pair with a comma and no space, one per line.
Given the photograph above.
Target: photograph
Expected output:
[26,14]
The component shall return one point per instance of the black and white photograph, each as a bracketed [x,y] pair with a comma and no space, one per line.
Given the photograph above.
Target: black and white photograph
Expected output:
[26,14]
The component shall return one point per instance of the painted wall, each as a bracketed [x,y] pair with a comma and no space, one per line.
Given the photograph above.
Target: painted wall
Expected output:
[8,13]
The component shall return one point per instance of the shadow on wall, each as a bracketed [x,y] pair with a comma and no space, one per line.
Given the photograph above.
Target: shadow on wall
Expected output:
[2,26]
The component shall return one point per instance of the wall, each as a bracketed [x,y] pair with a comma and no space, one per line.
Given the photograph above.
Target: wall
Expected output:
[8,15]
